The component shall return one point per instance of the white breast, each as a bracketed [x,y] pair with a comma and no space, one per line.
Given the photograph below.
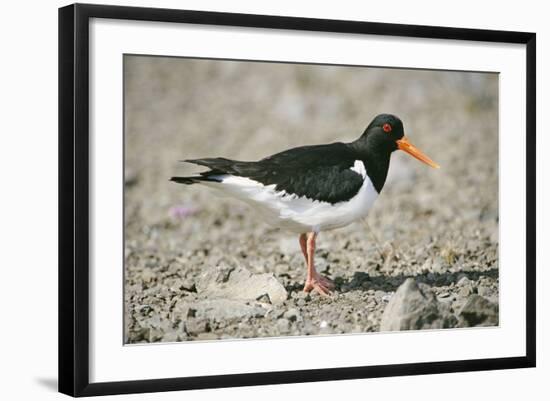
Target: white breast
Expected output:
[300,214]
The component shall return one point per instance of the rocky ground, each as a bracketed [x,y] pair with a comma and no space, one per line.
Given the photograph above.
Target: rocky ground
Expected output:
[201,267]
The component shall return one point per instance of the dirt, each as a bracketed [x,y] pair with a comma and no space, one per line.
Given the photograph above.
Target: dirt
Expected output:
[437,226]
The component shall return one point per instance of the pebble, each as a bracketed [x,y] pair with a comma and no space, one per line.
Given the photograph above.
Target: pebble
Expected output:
[426,267]
[283,325]
[147,275]
[301,302]
[292,314]
[171,337]
[387,297]
[478,311]
[464,291]
[483,291]
[264,298]
[196,326]
[464,280]
[207,336]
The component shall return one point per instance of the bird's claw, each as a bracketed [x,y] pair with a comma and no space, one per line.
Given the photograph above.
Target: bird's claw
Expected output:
[320,284]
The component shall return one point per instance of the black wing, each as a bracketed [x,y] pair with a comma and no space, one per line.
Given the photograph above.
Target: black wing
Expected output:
[320,172]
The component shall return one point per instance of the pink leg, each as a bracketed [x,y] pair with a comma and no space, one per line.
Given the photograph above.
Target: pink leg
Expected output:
[303,245]
[314,281]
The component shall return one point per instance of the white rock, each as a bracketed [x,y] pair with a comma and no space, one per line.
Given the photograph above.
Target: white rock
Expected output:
[239,283]
[414,308]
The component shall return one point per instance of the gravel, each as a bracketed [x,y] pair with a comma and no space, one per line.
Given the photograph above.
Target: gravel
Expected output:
[201,267]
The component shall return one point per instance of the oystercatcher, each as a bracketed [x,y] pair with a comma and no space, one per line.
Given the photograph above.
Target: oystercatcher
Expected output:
[310,189]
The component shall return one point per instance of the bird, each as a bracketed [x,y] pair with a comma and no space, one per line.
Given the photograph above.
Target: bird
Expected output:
[313,188]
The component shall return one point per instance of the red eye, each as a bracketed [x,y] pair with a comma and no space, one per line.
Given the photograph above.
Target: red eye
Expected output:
[386,127]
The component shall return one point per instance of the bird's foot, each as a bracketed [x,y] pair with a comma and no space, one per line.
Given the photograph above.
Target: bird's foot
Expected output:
[322,285]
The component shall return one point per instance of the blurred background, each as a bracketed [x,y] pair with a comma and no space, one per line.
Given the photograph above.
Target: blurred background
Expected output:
[439,226]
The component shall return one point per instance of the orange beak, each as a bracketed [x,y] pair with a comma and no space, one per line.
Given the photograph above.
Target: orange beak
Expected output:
[404,145]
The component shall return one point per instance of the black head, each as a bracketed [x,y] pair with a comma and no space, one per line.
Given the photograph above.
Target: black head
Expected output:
[384,132]
[384,135]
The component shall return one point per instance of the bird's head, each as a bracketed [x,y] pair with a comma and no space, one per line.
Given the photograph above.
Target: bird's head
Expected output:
[385,134]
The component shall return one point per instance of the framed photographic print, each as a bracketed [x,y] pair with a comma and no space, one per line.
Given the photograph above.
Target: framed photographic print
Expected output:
[290,198]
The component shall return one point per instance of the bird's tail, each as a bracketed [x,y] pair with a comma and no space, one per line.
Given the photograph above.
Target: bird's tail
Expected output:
[218,167]
[185,180]
[195,179]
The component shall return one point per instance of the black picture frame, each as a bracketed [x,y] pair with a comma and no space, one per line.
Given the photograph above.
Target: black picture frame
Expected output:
[74,194]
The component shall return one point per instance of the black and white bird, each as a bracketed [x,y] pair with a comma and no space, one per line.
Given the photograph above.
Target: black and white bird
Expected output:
[314,188]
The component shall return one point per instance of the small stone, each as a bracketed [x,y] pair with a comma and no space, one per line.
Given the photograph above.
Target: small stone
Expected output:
[194,326]
[464,280]
[387,297]
[147,275]
[426,266]
[171,337]
[187,285]
[323,324]
[292,315]
[483,291]
[437,266]
[154,334]
[478,311]
[264,298]
[465,291]
[283,325]
[207,337]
